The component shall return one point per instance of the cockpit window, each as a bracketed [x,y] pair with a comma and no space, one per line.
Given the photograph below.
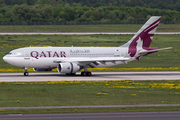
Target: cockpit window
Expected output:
[14,54]
[9,53]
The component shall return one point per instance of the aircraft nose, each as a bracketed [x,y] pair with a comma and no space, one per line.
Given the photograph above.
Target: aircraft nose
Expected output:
[5,58]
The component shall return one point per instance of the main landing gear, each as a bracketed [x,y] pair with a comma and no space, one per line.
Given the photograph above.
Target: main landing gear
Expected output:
[85,72]
[25,72]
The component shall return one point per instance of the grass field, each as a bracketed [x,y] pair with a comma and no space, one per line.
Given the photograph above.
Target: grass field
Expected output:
[86,28]
[70,93]
[164,59]
[64,93]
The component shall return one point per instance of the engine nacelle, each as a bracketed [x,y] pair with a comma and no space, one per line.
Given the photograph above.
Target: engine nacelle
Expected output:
[42,69]
[68,68]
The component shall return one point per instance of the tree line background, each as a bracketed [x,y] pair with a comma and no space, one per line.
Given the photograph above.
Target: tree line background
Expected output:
[87,10]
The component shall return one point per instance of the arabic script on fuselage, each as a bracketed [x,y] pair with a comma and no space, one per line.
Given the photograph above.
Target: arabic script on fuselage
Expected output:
[79,51]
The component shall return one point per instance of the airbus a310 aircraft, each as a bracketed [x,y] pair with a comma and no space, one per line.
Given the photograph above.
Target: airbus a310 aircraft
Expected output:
[69,60]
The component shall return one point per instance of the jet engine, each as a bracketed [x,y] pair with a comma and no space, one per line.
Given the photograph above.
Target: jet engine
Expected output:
[42,69]
[68,68]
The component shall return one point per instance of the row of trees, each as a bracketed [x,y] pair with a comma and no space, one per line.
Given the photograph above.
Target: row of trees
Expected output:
[39,12]
[160,4]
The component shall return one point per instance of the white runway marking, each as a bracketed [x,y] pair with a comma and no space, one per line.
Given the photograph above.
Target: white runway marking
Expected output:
[13,77]
[76,33]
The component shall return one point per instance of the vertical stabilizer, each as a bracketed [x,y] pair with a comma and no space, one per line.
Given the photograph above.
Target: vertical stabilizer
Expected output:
[142,39]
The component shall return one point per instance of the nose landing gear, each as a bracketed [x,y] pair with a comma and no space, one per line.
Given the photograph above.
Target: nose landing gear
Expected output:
[25,72]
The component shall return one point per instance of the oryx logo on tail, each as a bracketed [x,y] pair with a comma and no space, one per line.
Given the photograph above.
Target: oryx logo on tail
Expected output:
[142,39]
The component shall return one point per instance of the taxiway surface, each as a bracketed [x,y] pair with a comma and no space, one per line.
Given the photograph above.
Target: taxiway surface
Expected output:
[90,106]
[13,77]
[174,115]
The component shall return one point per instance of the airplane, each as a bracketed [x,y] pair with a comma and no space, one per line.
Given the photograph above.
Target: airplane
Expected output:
[69,60]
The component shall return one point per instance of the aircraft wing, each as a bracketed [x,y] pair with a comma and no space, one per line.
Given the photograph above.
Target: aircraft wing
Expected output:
[102,60]
[144,52]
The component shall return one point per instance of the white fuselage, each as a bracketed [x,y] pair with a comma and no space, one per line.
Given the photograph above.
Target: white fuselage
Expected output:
[43,57]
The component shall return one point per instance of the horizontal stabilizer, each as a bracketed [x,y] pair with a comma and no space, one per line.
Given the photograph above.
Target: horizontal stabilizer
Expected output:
[144,52]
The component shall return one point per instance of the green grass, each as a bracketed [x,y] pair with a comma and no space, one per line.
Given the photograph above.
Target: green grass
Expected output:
[164,59]
[86,28]
[89,93]
[89,110]
[64,93]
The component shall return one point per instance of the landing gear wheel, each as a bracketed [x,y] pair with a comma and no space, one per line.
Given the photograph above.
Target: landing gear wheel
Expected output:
[88,73]
[26,73]
[83,73]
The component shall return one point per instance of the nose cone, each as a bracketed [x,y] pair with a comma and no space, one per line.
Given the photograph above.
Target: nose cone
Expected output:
[8,59]
[5,58]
